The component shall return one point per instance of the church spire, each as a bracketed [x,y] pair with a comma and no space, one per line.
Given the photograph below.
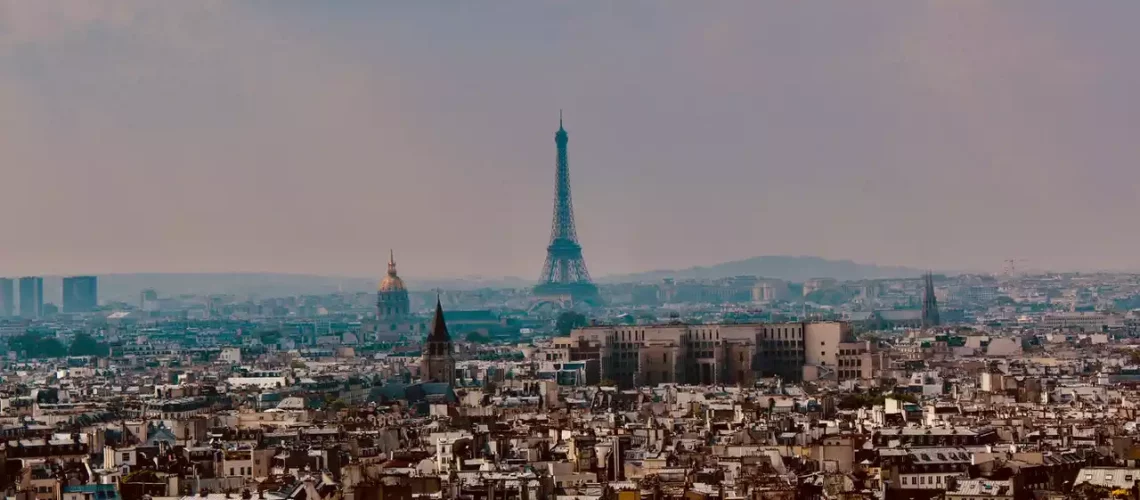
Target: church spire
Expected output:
[438,325]
[930,317]
[391,262]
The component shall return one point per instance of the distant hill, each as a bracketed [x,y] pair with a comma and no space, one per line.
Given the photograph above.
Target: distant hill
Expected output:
[127,287]
[778,266]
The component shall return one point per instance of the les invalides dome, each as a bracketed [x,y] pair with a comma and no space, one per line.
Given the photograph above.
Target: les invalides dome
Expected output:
[392,295]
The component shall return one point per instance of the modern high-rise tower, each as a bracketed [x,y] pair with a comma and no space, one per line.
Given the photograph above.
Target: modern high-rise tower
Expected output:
[564,274]
[31,296]
[7,297]
[929,303]
[80,294]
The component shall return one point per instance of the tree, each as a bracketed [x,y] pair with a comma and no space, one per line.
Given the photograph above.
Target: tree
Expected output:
[827,297]
[37,345]
[905,397]
[85,345]
[142,476]
[1003,300]
[854,401]
[477,338]
[568,321]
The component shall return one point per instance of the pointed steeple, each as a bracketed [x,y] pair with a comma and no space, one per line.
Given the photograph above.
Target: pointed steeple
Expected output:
[930,317]
[391,262]
[560,120]
[438,325]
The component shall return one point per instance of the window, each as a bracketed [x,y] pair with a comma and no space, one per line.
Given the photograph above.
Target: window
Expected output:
[126,457]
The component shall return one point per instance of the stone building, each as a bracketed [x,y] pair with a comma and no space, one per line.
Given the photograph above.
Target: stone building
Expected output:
[631,356]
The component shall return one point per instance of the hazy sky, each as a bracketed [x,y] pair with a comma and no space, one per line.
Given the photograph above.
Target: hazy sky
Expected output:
[310,137]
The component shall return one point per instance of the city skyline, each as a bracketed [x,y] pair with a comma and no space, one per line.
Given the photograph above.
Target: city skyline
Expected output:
[292,137]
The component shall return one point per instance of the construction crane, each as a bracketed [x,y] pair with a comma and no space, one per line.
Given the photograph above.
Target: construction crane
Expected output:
[1011,266]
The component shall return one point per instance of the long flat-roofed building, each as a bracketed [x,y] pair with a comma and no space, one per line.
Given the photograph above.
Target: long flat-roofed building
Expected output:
[631,356]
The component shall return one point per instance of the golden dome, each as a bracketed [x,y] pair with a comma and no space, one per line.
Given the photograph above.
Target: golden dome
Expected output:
[391,282]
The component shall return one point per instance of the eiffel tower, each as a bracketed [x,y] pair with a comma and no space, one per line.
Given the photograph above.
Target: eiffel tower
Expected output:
[564,276]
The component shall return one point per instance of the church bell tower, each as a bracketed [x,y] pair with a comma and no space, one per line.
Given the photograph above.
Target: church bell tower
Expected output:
[438,362]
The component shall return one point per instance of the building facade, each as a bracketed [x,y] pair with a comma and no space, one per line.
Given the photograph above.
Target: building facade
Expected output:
[80,294]
[31,296]
[715,354]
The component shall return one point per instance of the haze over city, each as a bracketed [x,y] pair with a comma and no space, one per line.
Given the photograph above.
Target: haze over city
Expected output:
[311,137]
[528,249]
